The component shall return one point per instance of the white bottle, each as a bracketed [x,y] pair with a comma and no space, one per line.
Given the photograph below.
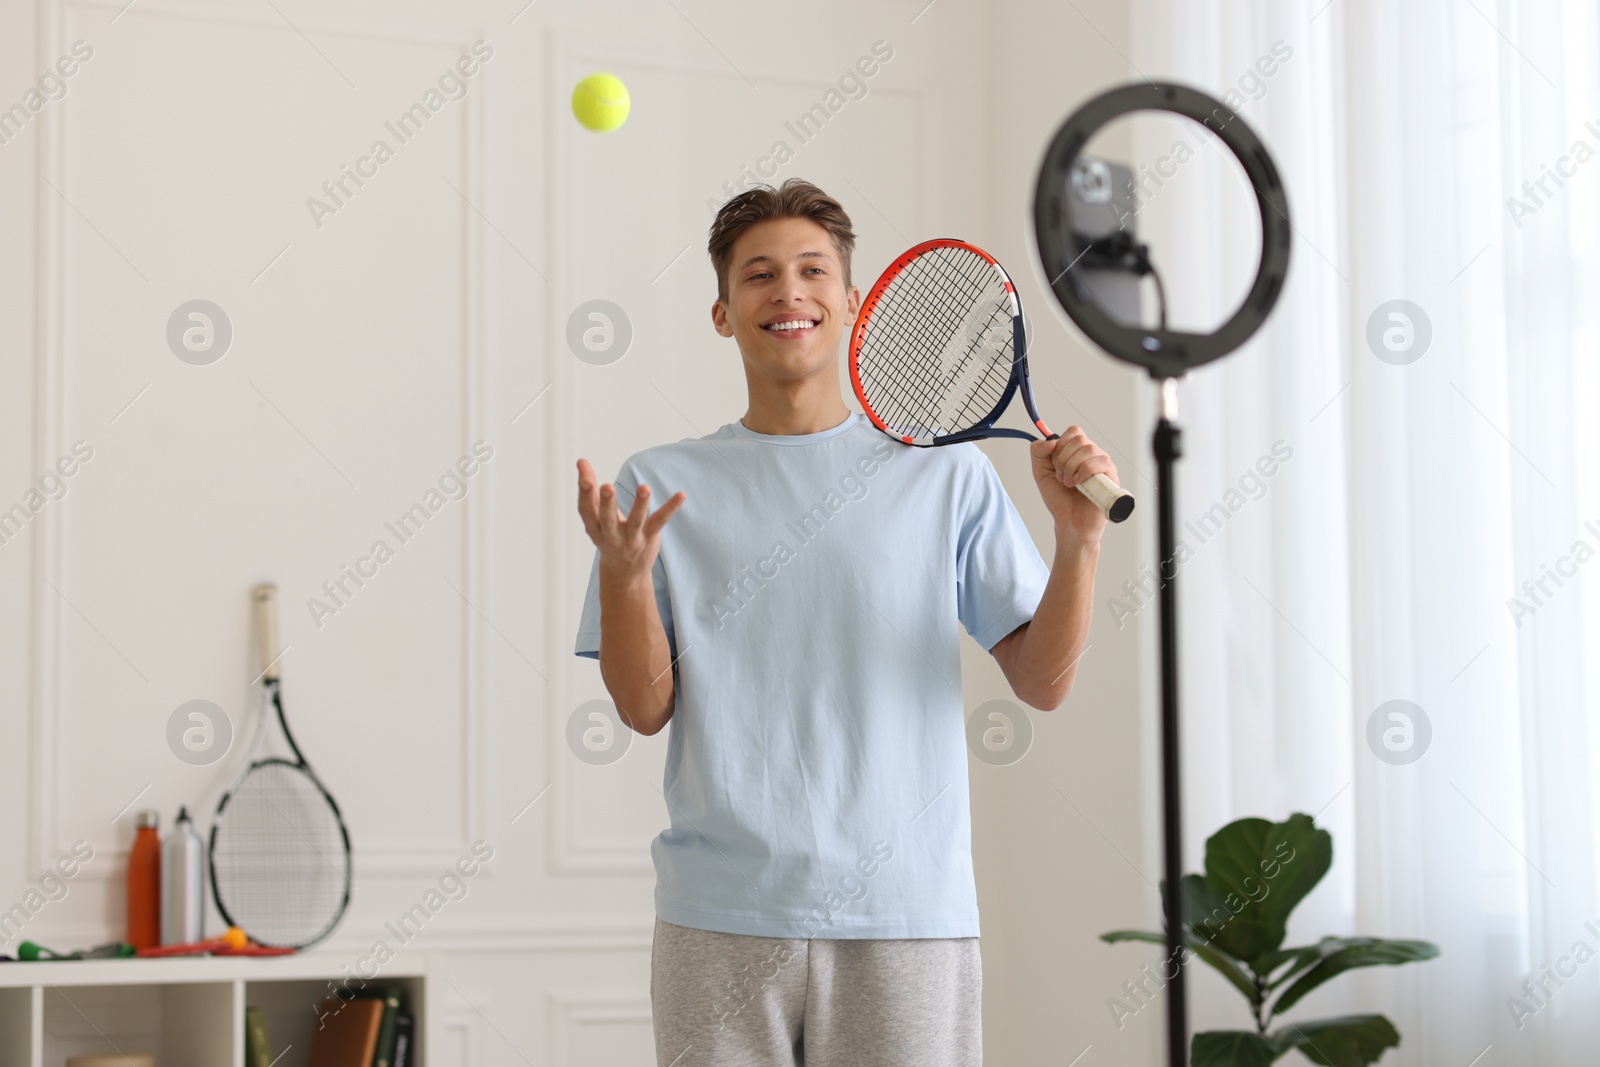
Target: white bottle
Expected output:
[183,882]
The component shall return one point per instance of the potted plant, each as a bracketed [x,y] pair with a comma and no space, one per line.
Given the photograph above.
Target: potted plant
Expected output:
[1235,917]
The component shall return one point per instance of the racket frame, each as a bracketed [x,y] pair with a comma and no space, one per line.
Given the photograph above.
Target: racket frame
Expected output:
[984,427]
[1112,499]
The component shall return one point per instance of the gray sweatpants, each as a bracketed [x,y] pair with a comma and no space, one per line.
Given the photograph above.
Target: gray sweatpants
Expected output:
[732,1000]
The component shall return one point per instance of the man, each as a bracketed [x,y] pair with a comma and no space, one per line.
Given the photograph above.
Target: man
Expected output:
[791,609]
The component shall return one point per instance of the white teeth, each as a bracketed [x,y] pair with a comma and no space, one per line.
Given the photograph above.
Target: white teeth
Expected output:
[798,324]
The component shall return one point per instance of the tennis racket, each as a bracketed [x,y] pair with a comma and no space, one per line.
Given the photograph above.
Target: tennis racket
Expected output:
[280,854]
[938,353]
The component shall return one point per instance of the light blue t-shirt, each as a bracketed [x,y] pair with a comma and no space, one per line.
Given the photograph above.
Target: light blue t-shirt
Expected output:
[810,587]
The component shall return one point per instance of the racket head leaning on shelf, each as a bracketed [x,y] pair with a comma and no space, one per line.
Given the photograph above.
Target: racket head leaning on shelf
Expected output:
[280,853]
[939,351]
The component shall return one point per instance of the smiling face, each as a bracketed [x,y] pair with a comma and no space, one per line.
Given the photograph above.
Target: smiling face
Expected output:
[787,303]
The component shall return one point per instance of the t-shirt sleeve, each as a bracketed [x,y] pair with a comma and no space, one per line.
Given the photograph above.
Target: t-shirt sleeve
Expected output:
[588,643]
[1000,576]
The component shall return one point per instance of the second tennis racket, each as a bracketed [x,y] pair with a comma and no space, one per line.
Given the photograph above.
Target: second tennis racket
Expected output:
[280,853]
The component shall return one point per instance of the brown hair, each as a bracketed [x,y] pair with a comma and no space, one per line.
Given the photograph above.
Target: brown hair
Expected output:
[796,198]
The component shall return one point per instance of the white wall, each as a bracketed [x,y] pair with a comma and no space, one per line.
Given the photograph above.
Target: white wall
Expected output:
[1068,838]
[372,351]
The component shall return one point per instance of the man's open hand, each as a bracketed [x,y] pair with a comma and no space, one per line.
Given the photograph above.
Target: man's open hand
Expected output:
[628,543]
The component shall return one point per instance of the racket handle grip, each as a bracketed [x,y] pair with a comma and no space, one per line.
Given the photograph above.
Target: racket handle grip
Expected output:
[1108,496]
[265,599]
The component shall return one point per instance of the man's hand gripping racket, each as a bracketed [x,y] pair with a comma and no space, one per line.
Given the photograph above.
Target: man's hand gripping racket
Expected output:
[938,352]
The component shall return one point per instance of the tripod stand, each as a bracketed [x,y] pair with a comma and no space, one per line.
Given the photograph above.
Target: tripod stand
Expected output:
[1090,256]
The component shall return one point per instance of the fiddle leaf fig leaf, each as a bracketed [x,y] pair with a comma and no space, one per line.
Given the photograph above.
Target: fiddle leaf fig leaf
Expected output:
[1231,1048]
[1348,1041]
[1212,922]
[1302,957]
[1340,954]
[1221,962]
[1260,870]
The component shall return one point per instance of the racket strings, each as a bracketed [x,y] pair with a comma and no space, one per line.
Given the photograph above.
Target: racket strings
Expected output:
[281,858]
[957,401]
[926,309]
[936,355]
[915,330]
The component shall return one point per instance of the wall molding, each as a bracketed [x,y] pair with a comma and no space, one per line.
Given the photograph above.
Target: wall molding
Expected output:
[569,1010]
[463,1026]
[576,933]
[47,660]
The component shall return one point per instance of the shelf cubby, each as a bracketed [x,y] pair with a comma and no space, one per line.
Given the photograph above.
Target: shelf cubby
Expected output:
[185,1012]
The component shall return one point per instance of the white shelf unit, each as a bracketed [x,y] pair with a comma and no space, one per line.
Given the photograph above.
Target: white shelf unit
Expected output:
[186,1012]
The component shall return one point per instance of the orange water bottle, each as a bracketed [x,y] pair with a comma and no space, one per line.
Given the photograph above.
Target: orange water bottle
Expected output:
[144,884]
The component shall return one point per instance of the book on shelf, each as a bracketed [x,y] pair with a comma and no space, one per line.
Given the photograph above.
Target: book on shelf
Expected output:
[347,1032]
[257,1050]
[404,1035]
[383,1056]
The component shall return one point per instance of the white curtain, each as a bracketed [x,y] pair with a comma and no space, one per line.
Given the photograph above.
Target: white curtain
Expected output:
[1385,560]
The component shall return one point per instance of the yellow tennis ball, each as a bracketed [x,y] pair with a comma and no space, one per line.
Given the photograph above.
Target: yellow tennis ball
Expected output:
[600,102]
